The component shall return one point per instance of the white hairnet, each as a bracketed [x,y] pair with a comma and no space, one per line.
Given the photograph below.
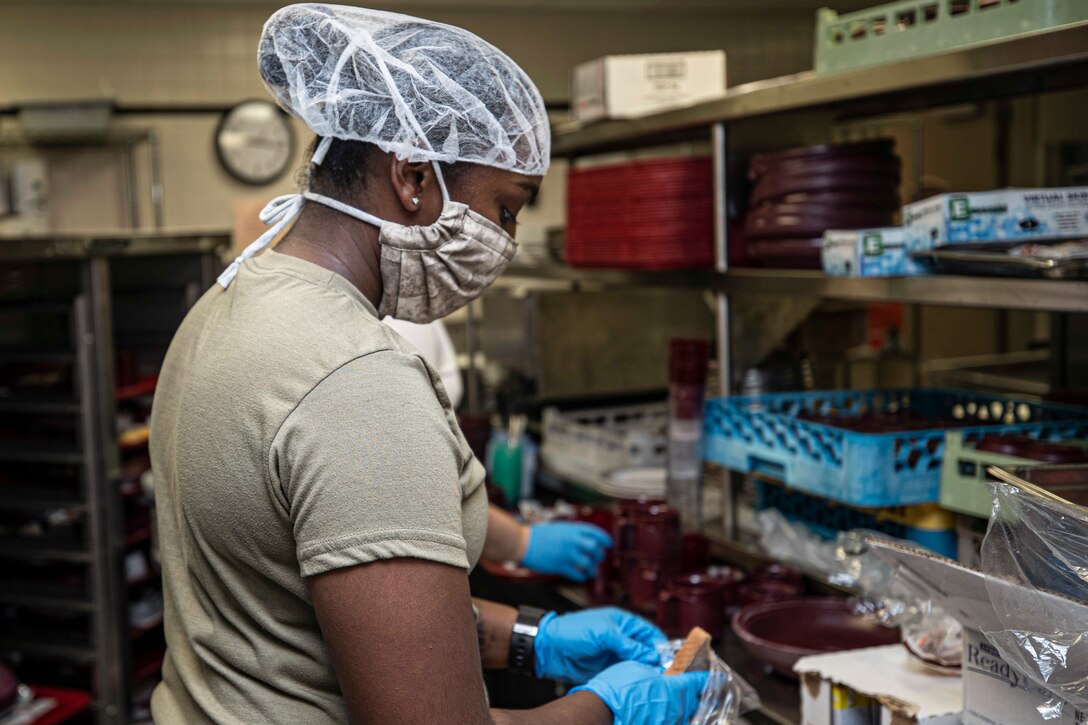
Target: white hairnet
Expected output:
[422,90]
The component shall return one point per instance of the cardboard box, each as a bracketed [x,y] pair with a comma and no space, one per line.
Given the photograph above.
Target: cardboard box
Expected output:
[994,693]
[627,86]
[874,252]
[876,686]
[1007,214]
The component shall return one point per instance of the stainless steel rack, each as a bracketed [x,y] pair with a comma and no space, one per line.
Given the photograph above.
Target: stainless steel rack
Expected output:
[954,291]
[78,280]
[1027,63]
[1023,64]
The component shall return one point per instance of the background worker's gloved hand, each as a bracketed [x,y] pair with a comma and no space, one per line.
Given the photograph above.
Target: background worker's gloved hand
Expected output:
[639,694]
[576,647]
[567,548]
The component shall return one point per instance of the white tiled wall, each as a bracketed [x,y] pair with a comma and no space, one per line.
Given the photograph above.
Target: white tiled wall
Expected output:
[155,53]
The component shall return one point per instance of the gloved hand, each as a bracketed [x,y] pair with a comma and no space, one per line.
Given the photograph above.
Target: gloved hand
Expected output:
[567,548]
[639,694]
[575,647]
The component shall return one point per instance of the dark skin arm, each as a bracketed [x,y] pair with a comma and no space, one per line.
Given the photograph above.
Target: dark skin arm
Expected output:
[404,645]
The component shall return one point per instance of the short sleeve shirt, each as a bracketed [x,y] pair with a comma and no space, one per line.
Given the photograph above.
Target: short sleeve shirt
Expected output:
[292,433]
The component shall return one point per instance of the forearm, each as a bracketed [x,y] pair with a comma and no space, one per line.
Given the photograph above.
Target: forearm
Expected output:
[506,539]
[495,627]
[583,708]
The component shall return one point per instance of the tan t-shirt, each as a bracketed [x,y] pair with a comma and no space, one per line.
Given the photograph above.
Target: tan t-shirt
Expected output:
[292,433]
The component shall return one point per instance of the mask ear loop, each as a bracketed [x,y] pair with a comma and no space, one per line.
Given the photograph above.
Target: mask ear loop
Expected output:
[441,183]
[322,149]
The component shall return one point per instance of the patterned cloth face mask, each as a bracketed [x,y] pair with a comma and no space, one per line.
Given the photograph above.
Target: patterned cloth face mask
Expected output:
[427,271]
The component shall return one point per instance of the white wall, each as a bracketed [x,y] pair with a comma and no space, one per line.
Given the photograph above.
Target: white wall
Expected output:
[167,53]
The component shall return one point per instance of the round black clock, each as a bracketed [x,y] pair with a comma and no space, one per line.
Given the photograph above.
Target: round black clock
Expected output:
[255,142]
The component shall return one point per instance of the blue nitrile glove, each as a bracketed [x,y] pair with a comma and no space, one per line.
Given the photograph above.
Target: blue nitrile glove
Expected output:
[639,694]
[575,647]
[567,548]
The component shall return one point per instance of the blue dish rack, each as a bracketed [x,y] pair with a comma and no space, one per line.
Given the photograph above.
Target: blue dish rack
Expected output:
[827,519]
[764,434]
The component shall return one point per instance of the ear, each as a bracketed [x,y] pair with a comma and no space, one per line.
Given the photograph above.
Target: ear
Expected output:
[413,183]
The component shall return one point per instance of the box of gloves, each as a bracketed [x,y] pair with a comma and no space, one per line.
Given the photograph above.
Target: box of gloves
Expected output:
[1012,214]
[627,86]
[873,252]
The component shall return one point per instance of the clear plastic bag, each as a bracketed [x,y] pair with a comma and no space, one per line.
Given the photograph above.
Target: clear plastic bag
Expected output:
[846,560]
[1036,551]
[726,696]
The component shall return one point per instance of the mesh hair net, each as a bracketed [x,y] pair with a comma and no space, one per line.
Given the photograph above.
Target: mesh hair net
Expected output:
[422,90]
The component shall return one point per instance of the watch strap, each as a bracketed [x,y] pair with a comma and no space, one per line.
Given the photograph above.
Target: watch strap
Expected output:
[523,639]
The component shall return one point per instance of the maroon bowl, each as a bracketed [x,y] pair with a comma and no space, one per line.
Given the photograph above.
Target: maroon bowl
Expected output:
[780,633]
[1005,445]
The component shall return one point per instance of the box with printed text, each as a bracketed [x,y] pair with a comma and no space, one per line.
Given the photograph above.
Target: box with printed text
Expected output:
[628,86]
[873,252]
[995,692]
[1006,214]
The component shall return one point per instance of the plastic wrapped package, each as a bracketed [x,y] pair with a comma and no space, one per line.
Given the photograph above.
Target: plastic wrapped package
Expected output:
[726,695]
[1036,553]
[927,631]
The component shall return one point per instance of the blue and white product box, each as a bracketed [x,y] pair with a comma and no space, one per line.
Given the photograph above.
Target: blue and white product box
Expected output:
[1013,214]
[873,252]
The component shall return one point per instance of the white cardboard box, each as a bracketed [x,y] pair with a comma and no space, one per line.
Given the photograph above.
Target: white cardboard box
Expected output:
[994,693]
[876,686]
[1005,214]
[873,252]
[627,86]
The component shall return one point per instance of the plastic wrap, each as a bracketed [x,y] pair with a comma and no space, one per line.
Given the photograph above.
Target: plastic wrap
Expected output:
[1036,551]
[927,631]
[726,695]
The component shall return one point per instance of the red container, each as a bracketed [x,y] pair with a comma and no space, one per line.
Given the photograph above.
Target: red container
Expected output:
[600,586]
[654,214]
[692,600]
[733,579]
[767,591]
[643,585]
[694,552]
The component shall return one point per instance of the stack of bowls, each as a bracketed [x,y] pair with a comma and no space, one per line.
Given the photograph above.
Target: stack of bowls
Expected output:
[798,194]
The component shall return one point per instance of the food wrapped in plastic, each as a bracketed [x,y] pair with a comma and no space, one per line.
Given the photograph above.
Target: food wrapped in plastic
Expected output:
[726,696]
[1036,551]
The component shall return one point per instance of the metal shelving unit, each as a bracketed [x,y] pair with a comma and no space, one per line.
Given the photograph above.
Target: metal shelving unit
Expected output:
[1024,64]
[76,282]
[955,291]
[1027,63]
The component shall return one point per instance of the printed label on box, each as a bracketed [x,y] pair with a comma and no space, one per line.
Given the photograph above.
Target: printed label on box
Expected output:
[873,252]
[1008,214]
[994,693]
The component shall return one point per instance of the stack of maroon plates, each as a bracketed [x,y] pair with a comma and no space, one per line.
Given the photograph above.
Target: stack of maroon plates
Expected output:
[654,214]
[798,194]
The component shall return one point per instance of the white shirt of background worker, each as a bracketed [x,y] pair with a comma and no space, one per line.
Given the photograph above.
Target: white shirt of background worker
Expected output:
[569,549]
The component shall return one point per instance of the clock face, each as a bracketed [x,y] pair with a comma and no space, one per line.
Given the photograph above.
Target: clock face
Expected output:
[255,142]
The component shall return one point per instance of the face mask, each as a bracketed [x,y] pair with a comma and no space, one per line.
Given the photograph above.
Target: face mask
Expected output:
[427,271]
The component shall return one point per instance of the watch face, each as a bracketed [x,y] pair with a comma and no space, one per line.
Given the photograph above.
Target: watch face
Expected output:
[255,142]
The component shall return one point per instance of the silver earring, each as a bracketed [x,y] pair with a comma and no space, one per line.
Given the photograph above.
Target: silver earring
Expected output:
[415,201]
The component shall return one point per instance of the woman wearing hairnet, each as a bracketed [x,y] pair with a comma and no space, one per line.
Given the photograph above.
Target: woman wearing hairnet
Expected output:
[318,506]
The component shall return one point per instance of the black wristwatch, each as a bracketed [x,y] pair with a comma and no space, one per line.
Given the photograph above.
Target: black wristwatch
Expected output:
[522,639]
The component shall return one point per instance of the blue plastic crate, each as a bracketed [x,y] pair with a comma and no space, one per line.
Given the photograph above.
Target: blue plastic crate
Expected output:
[763,434]
[827,519]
